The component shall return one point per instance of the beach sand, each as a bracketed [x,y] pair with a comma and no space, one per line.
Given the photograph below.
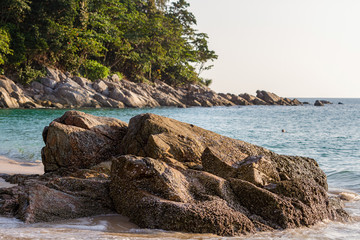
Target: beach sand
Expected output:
[10,166]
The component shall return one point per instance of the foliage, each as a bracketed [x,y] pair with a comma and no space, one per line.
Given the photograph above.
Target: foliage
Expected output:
[146,40]
[27,74]
[4,45]
[94,70]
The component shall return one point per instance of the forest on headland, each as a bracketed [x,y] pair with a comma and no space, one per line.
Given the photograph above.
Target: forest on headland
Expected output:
[142,40]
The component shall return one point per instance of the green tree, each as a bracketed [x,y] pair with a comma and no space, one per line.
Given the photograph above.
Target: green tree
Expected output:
[4,45]
[13,11]
[146,40]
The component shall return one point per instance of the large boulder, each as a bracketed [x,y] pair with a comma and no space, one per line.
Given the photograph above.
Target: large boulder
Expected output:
[6,101]
[131,99]
[50,197]
[55,74]
[79,140]
[177,93]
[165,174]
[101,87]
[268,97]
[237,100]
[12,96]
[71,93]
[252,99]
[155,195]
[180,177]
[273,99]
[205,97]
[159,137]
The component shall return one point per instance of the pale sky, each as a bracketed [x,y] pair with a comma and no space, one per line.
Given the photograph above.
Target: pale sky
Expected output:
[294,48]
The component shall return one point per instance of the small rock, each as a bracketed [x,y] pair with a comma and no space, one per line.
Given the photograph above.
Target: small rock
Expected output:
[318,103]
[81,81]
[100,86]
[326,102]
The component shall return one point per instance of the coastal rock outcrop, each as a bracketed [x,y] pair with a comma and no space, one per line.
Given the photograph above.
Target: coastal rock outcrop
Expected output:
[79,140]
[252,99]
[12,96]
[166,174]
[192,170]
[59,90]
[273,99]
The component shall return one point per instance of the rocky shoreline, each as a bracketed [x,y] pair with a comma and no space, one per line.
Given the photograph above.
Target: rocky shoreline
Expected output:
[166,174]
[60,90]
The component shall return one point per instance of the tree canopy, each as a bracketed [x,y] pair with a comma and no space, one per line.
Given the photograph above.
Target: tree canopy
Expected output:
[145,40]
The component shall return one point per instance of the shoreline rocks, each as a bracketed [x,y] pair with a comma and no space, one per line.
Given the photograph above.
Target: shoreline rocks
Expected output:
[166,174]
[58,90]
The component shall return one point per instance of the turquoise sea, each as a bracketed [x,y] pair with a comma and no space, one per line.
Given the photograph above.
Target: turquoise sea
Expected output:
[329,134]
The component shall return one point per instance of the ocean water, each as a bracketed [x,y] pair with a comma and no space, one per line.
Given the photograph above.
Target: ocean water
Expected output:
[329,134]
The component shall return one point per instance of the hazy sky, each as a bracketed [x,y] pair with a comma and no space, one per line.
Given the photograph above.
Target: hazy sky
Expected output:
[295,48]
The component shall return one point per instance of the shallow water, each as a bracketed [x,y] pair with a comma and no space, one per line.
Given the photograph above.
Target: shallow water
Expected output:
[330,134]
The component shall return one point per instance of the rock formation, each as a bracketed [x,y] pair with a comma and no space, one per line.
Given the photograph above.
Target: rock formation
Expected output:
[318,103]
[170,175]
[321,102]
[53,197]
[273,99]
[79,140]
[12,96]
[59,90]
[180,174]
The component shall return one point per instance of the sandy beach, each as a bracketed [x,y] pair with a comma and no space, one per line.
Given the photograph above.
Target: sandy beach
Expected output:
[10,166]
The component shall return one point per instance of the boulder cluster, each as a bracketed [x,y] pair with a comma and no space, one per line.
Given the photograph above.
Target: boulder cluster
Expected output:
[12,96]
[166,174]
[61,90]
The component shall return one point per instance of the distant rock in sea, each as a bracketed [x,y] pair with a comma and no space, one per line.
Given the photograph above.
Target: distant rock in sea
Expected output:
[321,102]
[166,174]
[318,103]
[326,102]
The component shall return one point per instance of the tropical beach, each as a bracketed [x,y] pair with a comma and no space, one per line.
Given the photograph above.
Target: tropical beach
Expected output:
[304,136]
[181,119]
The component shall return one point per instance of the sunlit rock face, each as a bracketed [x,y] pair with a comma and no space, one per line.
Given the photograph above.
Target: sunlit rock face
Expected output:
[177,176]
[79,140]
